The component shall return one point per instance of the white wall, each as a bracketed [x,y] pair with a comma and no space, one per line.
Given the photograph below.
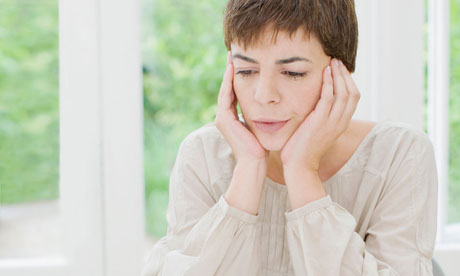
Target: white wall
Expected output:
[390,61]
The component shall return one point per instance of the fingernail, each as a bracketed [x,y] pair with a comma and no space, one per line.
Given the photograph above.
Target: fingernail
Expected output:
[336,61]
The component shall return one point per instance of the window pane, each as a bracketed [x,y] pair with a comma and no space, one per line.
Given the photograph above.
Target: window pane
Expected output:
[29,125]
[454,114]
[184,60]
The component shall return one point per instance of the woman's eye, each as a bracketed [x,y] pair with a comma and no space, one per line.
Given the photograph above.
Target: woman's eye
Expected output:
[245,73]
[294,75]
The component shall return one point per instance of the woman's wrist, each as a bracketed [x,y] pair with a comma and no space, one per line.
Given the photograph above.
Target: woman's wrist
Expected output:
[245,189]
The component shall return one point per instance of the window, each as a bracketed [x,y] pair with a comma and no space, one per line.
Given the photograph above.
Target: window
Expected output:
[454,115]
[183,56]
[100,143]
[29,128]
[444,115]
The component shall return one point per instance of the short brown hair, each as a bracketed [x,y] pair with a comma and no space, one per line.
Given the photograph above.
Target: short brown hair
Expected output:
[333,22]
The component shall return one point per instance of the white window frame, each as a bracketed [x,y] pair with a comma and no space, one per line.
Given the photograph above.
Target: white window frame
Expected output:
[447,251]
[101,180]
[438,100]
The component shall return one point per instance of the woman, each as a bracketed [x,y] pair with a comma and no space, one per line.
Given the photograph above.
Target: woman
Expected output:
[295,186]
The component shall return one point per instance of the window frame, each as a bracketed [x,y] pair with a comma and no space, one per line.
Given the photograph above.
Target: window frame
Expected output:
[447,251]
[101,181]
[438,103]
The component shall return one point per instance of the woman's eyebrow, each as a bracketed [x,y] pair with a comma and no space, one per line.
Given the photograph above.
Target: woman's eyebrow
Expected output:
[281,61]
[245,58]
[292,59]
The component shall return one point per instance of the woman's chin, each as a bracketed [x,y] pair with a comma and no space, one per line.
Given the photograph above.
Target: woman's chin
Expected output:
[272,143]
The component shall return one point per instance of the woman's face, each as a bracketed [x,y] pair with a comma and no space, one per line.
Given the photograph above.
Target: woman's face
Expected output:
[278,81]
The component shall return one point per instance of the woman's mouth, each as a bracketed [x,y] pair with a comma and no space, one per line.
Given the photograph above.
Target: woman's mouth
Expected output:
[270,126]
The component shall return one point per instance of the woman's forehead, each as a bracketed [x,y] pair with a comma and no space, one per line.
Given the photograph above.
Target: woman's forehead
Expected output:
[270,37]
[299,44]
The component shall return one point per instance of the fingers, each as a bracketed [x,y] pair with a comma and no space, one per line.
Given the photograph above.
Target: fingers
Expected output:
[224,99]
[353,92]
[227,101]
[340,93]
[327,94]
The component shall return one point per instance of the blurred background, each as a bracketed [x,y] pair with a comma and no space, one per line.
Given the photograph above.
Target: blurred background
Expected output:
[183,57]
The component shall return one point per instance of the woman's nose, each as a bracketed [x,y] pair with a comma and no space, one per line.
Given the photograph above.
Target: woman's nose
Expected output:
[266,91]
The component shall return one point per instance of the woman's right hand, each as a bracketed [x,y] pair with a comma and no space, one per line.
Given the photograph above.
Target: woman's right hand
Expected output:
[244,144]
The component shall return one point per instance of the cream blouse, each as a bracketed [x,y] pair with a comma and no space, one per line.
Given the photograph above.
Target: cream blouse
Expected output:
[379,217]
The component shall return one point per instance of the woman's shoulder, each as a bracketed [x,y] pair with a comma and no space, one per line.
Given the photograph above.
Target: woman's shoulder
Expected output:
[209,131]
[206,136]
[402,134]
[209,145]
[390,141]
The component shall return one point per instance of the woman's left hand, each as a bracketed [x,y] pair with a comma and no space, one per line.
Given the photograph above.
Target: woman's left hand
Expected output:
[324,125]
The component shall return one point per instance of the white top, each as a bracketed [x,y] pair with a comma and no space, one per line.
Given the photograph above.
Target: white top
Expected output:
[379,217]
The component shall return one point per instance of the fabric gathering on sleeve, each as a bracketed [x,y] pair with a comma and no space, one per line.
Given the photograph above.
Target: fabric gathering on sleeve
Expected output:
[204,237]
[400,239]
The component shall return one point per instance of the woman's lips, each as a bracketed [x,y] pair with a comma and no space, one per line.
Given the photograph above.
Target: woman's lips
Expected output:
[270,127]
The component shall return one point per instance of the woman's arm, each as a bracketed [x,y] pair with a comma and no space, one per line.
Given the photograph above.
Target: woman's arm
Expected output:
[402,228]
[245,190]
[204,237]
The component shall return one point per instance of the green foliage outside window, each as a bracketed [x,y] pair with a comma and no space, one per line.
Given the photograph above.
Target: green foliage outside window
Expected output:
[29,101]
[454,114]
[184,61]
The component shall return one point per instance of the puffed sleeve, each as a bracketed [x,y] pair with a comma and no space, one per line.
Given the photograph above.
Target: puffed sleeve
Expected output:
[401,235]
[204,237]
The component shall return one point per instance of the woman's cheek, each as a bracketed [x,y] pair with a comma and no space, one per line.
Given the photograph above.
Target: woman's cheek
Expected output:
[242,90]
[305,98]
[311,88]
